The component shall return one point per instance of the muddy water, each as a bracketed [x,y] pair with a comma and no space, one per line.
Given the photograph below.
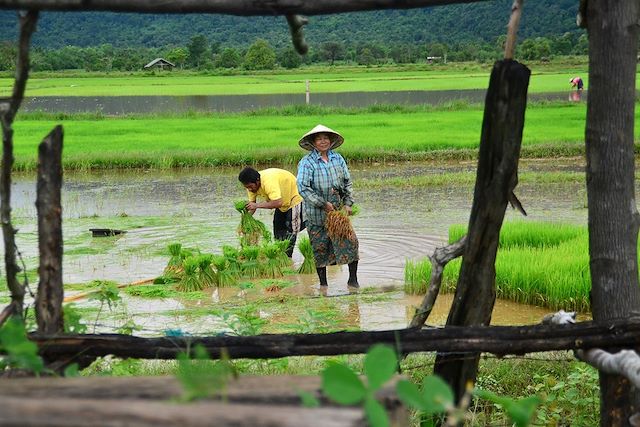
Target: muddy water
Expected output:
[195,208]
[119,105]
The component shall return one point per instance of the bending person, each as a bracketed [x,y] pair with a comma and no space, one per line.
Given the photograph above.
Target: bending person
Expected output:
[279,190]
[325,185]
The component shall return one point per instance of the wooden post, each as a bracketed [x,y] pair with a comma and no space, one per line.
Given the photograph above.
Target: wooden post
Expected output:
[613,217]
[496,178]
[50,292]
[307,91]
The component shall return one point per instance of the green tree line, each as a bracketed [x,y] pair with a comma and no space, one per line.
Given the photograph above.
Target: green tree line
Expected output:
[453,24]
[202,54]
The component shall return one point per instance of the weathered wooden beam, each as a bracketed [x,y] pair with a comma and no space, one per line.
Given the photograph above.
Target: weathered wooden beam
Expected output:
[229,7]
[496,179]
[248,401]
[499,340]
[612,213]
[115,412]
[48,203]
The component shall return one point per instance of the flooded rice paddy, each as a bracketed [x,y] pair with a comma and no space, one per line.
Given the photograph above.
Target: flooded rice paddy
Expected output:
[195,208]
[120,105]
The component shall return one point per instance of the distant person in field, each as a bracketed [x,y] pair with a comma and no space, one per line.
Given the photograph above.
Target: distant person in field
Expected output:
[279,190]
[325,184]
[576,83]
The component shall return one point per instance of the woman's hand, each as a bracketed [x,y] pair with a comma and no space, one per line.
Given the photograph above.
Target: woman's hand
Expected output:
[328,207]
[348,210]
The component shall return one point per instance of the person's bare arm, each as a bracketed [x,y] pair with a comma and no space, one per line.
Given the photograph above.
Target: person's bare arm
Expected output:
[271,204]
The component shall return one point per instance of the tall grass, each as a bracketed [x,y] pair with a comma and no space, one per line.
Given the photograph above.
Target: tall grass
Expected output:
[544,264]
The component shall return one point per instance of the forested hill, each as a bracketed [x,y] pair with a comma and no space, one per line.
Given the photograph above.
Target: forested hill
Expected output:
[481,21]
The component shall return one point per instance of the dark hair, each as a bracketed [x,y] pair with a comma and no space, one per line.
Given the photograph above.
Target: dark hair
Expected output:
[249,175]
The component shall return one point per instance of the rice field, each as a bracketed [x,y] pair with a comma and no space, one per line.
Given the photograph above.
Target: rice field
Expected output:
[376,134]
[538,263]
[545,78]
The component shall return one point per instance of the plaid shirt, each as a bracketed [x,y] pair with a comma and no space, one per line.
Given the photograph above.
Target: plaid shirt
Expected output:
[320,182]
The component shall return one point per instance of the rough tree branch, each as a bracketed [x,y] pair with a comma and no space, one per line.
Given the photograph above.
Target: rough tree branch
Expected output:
[229,7]
[8,110]
[297,36]
[439,259]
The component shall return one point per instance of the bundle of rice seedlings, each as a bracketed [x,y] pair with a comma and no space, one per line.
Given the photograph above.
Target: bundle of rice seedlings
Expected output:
[232,255]
[205,272]
[283,259]
[224,277]
[190,281]
[174,265]
[271,268]
[339,226]
[250,263]
[308,266]
[250,229]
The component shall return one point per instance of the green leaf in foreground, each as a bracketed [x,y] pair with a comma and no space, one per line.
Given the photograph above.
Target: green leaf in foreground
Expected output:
[308,399]
[20,352]
[342,385]
[409,394]
[375,412]
[380,364]
[437,394]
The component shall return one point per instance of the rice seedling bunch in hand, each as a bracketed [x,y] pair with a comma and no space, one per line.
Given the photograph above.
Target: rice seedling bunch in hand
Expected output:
[308,266]
[339,225]
[250,229]
[190,281]
[205,272]
[224,277]
[272,267]
[250,263]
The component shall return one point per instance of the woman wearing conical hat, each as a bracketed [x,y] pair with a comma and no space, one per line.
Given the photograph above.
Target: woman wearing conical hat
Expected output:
[324,182]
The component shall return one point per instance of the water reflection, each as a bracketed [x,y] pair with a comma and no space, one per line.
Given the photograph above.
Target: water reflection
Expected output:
[195,208]
[119,105]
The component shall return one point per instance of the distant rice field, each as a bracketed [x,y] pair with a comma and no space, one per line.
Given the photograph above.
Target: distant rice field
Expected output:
[545,78]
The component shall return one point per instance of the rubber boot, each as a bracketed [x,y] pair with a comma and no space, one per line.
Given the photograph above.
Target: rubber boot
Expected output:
[322,275]
[353,275]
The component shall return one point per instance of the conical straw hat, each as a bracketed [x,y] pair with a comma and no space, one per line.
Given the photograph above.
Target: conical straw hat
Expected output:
[306,141]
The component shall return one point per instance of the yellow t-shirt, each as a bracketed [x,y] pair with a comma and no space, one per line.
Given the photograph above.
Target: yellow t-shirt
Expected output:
[277,184]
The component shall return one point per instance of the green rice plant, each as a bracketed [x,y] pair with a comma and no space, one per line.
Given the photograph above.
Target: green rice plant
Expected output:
[282,246]
[232,255]
[417,275]
[528,234]
[190,281]
[271,268]
[174,266]
[205,272]
[150,291]
[308,266]
[224,277]
[250,263]
[537,263]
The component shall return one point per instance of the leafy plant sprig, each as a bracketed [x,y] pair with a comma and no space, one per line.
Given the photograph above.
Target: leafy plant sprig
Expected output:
[18,351]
